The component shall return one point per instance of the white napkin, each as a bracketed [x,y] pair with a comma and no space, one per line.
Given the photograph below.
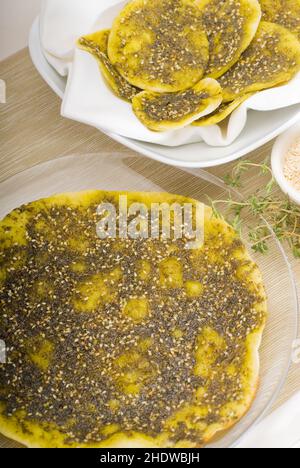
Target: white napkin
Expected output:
[62,22]
[280,429]
[88,98]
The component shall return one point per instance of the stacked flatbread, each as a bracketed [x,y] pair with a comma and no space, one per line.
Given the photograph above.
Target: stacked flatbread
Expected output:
[182,62]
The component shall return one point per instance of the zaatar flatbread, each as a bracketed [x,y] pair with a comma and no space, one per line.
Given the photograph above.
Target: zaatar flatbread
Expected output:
[120,342]
[159,45]
[160,112]
[272,58]
[230,26]
[221,113]
[96,44]
[284,12]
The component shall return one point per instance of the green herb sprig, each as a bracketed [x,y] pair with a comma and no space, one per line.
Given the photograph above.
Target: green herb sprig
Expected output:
[280,213]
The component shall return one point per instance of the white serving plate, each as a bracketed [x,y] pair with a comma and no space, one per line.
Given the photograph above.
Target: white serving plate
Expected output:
[261,127]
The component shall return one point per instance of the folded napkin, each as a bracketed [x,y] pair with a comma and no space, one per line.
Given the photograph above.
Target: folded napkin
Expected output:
[281,429]
[88,98]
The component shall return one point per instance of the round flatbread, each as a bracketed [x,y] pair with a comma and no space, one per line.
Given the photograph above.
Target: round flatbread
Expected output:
[161,112]
[230,26]
[284,12]
[221,113]
[96,44]
[272,58]
[124,343]
[159,45]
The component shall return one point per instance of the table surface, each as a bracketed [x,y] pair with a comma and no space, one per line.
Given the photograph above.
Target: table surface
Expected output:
[32,131]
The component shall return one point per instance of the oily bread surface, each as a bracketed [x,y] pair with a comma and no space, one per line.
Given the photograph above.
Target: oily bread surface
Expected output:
[34,432]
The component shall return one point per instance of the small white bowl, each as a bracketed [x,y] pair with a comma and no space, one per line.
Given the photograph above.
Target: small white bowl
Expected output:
[280,149]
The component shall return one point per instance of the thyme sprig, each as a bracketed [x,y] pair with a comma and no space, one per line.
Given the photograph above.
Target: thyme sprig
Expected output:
[278,210]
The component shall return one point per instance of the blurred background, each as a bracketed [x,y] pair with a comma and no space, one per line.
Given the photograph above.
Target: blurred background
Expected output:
[16,17]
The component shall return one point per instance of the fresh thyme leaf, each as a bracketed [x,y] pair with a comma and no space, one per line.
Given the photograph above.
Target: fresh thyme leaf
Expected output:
[270,185]
[280,213]
[296,251]
[234,182]
[261,247]
[216,213]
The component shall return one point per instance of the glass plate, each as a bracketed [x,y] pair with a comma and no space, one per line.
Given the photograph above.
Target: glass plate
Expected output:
[111,171]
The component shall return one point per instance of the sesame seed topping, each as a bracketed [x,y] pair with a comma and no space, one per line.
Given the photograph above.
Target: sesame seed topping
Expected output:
[80,359]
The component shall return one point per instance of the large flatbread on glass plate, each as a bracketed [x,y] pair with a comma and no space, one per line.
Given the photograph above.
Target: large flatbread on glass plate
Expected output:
[119,342]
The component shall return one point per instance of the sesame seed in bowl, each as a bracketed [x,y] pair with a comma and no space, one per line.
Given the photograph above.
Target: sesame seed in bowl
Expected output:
[286,162]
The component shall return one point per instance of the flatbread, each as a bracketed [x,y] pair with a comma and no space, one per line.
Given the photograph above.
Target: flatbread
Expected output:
[159,45]
[160,112]
[96,44]
[273,58]
[284,12]
[230,26]
[221,113]
[120,342]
